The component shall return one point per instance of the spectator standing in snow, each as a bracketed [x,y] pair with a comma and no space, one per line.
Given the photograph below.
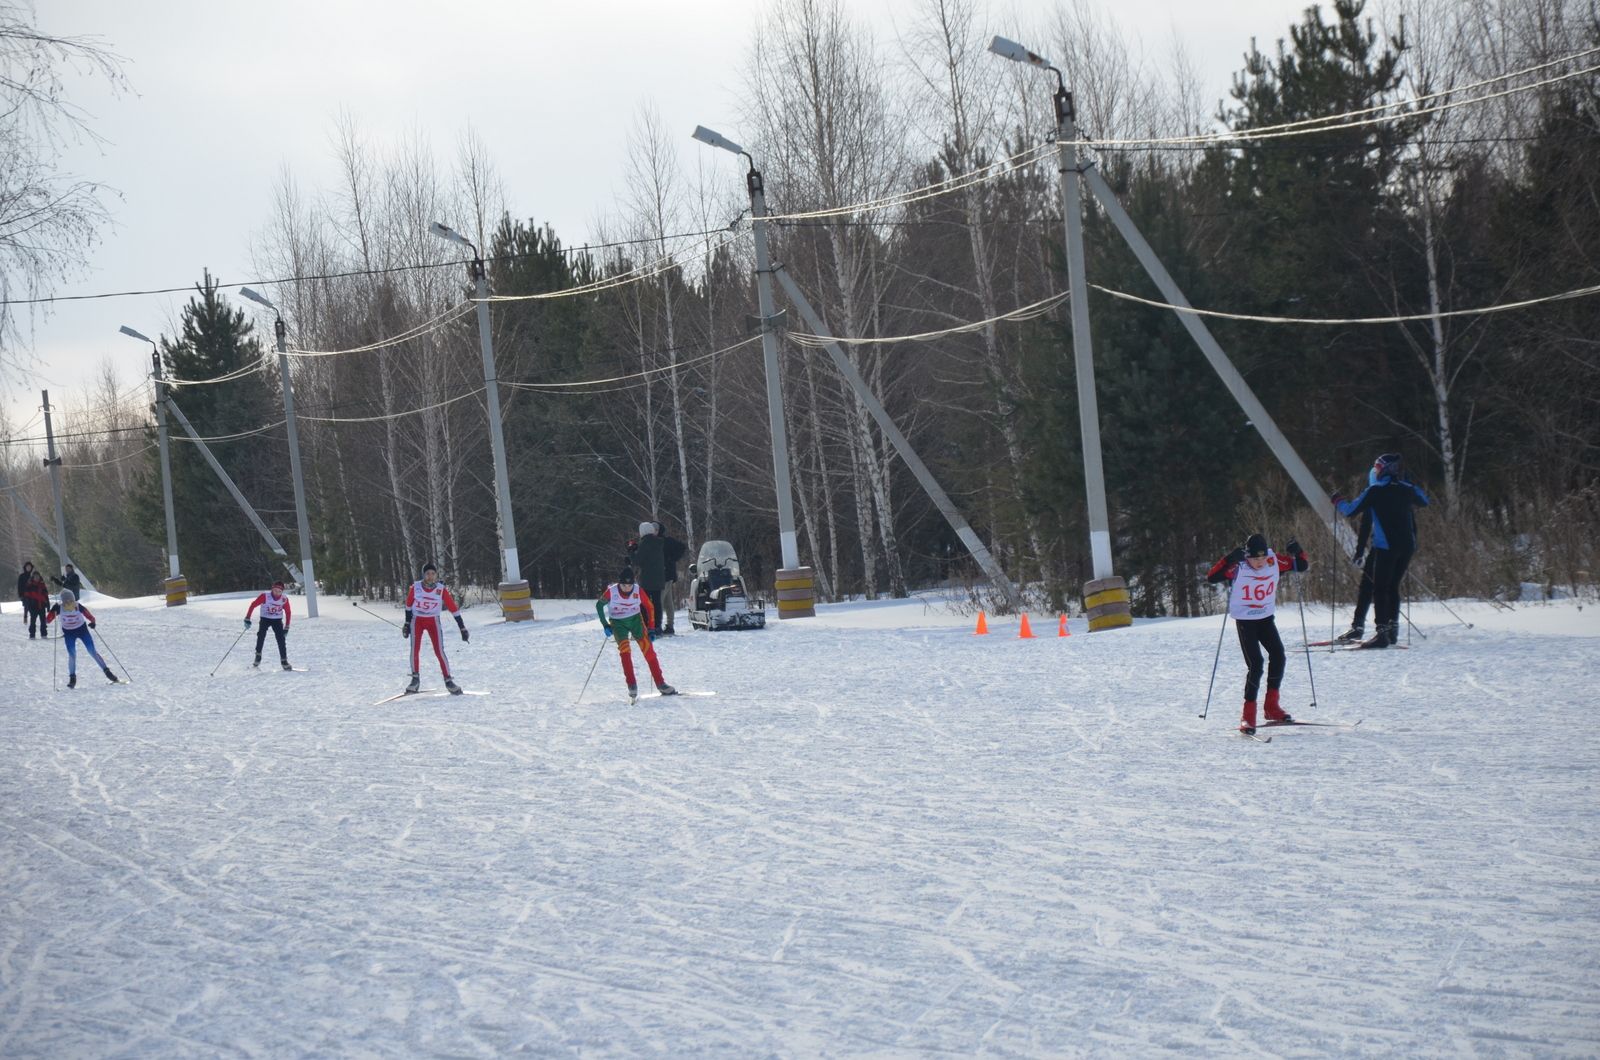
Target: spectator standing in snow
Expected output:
[35,601]
[69,580]
[1252,573]
[275,615]
[23,579]
[656,557]
[1391,500]
[74,619]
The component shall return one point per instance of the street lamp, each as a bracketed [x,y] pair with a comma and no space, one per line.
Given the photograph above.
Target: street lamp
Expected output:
[788,541]
[1082,347]
[177,588]
[303,523]
[515,600]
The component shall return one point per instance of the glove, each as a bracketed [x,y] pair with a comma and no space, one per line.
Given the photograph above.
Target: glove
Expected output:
[1337,497]
[286,631]
[1235,557]
[247,623]
[1293,548]
[464,633]
[405,631]
[607,627]
[1359,559]
[91,625]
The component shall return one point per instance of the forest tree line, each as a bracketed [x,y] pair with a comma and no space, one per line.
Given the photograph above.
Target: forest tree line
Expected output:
[644,396]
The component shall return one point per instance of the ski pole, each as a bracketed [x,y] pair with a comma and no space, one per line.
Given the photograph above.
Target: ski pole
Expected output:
[1440,601]
[357,605]
[592,665]
[54,655]
[1300,586]
[1214,661]
[116,660]
[229,652]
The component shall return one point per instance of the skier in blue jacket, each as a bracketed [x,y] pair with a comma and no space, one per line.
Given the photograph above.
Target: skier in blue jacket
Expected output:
[1391,499]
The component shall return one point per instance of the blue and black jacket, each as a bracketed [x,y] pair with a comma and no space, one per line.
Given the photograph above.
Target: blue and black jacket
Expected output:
[1389,501]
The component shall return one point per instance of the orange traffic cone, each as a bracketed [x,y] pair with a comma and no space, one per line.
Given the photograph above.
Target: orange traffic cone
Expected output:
[983,626]
[1062,630]
[1026,631]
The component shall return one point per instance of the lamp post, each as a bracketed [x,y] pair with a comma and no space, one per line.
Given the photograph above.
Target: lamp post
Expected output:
[516,604]
[1104,581]
[302,521]
[177,587]
[770,322]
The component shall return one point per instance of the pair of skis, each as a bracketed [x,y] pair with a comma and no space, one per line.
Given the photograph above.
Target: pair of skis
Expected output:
[431,693]
[662,695]
[1256,736]
[1340,645]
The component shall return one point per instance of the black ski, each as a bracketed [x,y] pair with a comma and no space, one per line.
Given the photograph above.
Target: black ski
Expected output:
[1318,724]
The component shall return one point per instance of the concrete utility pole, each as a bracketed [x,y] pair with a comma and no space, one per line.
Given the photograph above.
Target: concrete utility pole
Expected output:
[516,603]
[302,521]
[177,587]
[53,462]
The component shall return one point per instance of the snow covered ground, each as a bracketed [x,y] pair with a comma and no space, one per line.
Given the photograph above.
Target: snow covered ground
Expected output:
[882,836]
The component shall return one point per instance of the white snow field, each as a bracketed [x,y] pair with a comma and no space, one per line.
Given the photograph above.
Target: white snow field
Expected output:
[882,836]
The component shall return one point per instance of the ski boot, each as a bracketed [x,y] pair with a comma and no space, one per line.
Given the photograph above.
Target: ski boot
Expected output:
[30,634]
[285,663]
[72,680]
[111,676]
[257,663]
[633,693]
[1275,714]
[1384,637]
[1352,635]
[666,689]
[1394,634]
[1247,720]
[455,689]
[416,683]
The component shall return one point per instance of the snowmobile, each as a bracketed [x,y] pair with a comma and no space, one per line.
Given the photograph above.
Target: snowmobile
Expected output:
[717,592]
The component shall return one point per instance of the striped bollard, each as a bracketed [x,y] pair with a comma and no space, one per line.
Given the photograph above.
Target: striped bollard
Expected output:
[516,601]
[1105,603]
[796,594]
[177,591]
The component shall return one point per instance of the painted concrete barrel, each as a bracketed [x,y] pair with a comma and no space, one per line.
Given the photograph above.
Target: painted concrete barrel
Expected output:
[516,601]
[177,591]
[797,595]
[1105,603]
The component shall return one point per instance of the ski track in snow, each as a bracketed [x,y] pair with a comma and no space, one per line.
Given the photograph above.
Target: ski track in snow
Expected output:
[883,835]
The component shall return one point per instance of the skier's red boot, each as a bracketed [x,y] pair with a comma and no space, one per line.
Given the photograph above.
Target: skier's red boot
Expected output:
[1247,723]
[1275,713]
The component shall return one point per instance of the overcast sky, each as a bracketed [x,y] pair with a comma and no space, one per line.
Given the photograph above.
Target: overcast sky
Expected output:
[227,96]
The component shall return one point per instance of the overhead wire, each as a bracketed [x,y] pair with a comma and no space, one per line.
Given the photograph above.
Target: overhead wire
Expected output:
[1337,122]
[450,315]
[571,387]
[1580,292]
[1027,312]
[393,415]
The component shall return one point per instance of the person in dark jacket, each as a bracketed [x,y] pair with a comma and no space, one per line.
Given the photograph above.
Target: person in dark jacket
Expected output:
[35,601]
[23,579]
[1358,622]
[655,559]
[69,580]
[1391,500]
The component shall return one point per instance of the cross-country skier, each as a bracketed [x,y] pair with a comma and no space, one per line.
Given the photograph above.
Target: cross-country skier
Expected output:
[1358,622]
[1391,500]
[275,615]
[626,612]
[73,620]
[425,601]
[1253,572]
[35,602]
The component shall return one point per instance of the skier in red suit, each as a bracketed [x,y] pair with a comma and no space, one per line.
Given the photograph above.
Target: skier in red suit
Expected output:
[425,602]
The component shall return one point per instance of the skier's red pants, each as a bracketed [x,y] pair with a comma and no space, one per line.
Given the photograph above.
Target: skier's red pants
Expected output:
[623,648]
[428,624]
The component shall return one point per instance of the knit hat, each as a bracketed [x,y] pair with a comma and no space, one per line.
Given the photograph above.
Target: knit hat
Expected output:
[1255,545]
[426,567]
[646,529]
[626,577]
[277,585]
[68,596]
